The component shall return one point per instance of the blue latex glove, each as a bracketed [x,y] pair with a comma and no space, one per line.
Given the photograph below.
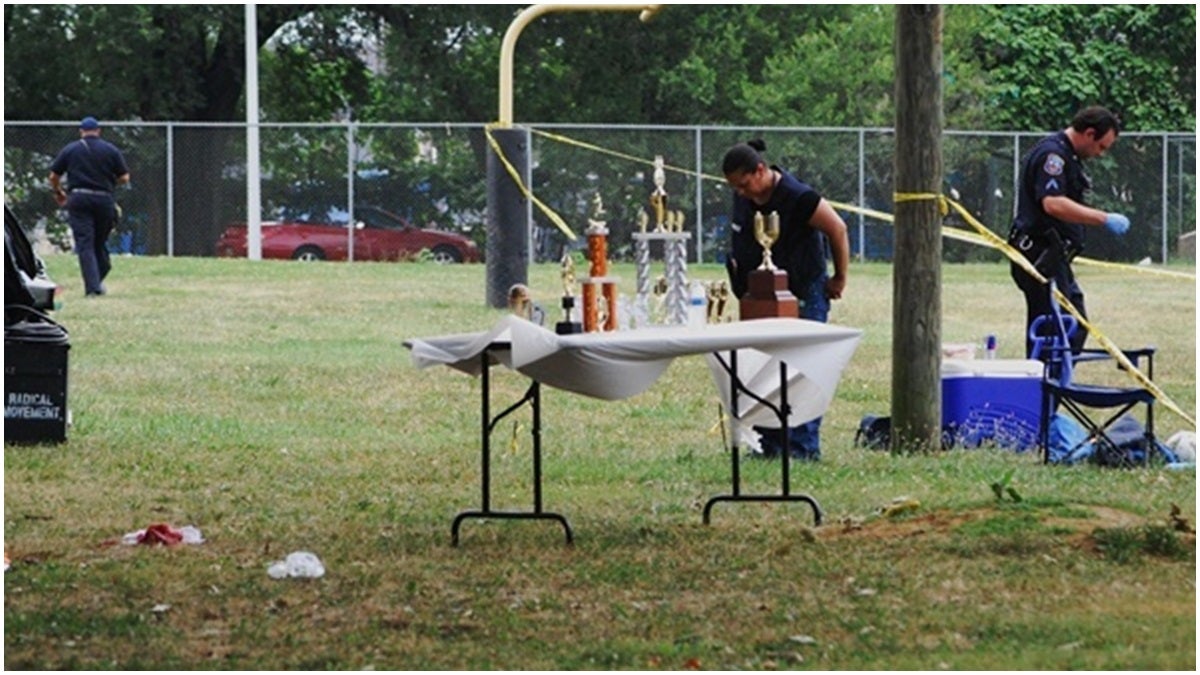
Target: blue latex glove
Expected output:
[1116,223]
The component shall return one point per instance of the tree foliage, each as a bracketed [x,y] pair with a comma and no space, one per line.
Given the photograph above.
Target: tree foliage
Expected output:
[1008,66]
[1046,61]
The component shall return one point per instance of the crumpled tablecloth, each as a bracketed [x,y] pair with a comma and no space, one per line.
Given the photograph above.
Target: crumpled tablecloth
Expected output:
[620,364]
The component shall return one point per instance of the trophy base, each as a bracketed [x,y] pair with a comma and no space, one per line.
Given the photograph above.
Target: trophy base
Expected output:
[568,327]
[768,297]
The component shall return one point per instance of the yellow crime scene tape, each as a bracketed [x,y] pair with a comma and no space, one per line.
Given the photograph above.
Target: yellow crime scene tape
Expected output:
[982,236]
[512,172]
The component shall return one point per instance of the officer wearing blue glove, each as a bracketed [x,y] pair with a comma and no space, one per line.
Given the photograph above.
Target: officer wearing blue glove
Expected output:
[1051,215]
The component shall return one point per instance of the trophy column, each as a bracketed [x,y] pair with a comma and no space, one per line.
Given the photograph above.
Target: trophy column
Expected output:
[599,285]
[668,229]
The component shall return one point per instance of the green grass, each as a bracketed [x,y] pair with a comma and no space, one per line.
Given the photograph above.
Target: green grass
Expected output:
[274,406]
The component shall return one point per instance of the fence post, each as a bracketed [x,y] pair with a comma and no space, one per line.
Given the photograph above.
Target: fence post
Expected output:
[1016,173]
[170,190]
[862,193]
[350,189]
[1165,214]
[699,198]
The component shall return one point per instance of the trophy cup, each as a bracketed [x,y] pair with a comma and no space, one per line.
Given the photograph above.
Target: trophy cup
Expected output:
[568,325]
[766,233]
[722,301]
[767,295]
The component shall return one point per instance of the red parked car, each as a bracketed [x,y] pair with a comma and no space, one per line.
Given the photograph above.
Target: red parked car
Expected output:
[379,235]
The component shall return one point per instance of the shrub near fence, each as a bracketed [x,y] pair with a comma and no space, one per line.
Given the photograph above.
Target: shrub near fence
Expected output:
[189,180]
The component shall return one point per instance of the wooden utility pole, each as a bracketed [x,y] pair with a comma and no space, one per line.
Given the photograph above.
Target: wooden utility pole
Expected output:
[916,273]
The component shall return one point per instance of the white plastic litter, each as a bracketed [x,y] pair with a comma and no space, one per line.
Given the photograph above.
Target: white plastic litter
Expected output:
[1183,444]
[297,565]
[191,534]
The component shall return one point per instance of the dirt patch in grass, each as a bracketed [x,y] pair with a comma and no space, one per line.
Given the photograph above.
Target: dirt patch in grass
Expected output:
[1075,523]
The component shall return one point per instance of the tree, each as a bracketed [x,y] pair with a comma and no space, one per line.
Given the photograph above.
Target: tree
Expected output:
[142,62]
[1047,61]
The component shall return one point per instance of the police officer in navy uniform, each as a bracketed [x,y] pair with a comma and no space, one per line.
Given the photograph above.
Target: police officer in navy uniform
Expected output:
[94,168]
[809,231]
[1051,215]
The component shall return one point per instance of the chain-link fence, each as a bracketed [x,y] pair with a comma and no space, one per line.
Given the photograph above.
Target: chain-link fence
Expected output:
[189,181]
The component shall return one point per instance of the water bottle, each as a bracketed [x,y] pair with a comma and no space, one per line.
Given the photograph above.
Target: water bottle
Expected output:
[697,305]
[989,347]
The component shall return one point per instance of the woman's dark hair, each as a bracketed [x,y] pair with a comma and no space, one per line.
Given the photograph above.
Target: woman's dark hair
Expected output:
[1096,117]
[744,157]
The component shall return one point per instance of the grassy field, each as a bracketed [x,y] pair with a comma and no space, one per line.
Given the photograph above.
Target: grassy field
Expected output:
[273,406]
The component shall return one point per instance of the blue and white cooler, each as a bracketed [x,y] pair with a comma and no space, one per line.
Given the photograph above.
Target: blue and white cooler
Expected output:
[992,401]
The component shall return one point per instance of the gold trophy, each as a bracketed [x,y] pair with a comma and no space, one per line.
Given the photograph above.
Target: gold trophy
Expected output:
[766,233]
[658,198]
[568,325]
[568,274]
[722,301]
[710,292]
[767,295]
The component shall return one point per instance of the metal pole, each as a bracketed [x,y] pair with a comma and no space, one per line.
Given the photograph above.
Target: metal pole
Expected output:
[1016,184]
[526,17]
[508,231]
[699,198]
[350,189]
[1179,186]
[170,190]
[862,194]
[253,188]
[1165,212]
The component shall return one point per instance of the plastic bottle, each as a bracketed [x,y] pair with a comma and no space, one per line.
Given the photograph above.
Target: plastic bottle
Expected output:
[697,305]
[989,347]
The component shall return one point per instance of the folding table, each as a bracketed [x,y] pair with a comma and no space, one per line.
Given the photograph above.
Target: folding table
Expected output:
[768,372]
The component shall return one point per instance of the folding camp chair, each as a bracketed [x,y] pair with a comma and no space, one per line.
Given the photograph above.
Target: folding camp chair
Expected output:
[1051,338]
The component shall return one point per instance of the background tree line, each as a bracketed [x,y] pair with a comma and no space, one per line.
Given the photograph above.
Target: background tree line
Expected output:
[1007,68]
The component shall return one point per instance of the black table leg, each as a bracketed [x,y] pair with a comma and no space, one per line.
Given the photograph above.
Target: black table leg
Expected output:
[487,425]
[781,411]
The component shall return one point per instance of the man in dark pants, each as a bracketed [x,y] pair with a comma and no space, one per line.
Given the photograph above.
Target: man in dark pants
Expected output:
[1051,214]
[94,168]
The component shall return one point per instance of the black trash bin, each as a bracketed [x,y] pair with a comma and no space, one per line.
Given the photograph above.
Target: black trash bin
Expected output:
[35,380]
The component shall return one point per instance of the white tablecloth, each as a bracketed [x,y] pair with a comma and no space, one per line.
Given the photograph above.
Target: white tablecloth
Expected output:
[620,364]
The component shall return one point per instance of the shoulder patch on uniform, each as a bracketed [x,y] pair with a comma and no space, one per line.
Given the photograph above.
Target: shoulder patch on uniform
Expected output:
[1054,165]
